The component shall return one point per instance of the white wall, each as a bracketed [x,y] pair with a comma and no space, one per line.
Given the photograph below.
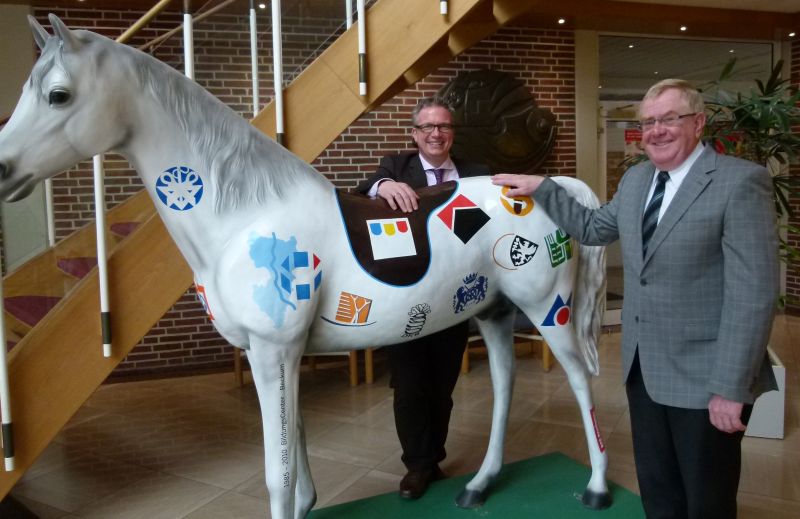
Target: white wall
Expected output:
[24,222]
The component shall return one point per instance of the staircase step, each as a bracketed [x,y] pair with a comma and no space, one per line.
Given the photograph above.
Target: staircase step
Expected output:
[124,228]
[78,266]
[30,309]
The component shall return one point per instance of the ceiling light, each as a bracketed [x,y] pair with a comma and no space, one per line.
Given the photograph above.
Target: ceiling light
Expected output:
[791,34]
[562,21]
[683,28]
[631,46]
[262,6]
[731,51]
[656,72]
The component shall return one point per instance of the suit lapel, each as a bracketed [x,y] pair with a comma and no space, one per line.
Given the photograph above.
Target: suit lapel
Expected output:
[695,182]
[416,175]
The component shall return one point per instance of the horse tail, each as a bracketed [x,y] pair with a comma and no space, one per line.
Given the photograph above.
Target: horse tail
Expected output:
[590,285]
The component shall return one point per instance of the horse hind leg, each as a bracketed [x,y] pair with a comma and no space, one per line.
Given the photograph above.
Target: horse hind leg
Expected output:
[497,331]
[564,344]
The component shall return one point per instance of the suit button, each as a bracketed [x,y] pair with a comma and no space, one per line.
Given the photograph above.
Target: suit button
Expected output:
[643,282]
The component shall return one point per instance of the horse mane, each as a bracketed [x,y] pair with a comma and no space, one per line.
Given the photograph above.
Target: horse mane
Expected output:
[247,167]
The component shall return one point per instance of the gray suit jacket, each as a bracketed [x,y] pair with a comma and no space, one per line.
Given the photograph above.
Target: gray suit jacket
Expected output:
[700,305]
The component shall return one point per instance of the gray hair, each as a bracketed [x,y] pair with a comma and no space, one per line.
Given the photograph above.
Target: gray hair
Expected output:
[688,93]
[428,102]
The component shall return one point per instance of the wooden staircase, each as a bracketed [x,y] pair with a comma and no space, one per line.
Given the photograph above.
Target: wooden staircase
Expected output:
[53,300]
[35,288]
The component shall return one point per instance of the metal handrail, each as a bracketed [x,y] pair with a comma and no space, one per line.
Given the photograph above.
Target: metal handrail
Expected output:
[172,32]
[144,20]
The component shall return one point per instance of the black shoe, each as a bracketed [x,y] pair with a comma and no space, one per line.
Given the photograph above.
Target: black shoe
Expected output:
[416,482]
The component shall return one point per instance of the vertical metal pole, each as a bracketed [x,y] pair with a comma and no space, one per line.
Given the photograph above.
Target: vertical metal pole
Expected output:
[277,69]
[348,6]
[254,55]
[102,256]
[5,394]
[50,212]
[362,49]
[188,43]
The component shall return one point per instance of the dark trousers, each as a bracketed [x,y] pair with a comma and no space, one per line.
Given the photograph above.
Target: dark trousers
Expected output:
[687,468]
[424,373]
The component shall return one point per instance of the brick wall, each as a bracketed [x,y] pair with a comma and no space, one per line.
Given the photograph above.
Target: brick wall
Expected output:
[793,271]
[543,59]
[183,340]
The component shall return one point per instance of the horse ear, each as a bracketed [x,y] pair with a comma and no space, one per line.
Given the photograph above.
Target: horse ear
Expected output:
[63,33]
[40,35]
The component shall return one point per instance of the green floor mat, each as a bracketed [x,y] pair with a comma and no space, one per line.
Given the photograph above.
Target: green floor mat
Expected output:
[543,487]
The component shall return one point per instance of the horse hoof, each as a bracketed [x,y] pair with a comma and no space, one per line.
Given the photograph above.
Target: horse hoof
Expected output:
[596,500]
[470,499]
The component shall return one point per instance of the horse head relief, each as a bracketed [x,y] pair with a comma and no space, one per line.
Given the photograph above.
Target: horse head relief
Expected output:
[499,122]
[254,221]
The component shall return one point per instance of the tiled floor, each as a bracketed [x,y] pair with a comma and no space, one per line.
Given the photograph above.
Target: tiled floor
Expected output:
[191,447]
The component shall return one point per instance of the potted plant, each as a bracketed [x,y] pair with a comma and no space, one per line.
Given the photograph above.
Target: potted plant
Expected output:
[758,126]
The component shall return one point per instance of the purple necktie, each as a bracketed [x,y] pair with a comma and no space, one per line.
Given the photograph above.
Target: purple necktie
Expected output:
[439,174]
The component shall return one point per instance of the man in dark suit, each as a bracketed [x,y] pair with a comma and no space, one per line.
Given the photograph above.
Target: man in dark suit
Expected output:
[699,245]
[424,371]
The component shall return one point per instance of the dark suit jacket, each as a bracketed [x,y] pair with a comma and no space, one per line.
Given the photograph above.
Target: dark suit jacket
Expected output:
[699,307]
[406,167]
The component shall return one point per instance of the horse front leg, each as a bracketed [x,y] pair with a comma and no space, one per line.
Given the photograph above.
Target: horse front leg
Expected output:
[563,342]
[276,370]
[497,332]
[305,495]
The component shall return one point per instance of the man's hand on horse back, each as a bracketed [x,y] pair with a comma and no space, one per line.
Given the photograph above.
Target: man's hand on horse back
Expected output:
[398,195]
[521,185]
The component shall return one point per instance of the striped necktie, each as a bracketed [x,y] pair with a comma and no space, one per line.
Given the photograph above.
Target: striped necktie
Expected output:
[439,174]
[650,219]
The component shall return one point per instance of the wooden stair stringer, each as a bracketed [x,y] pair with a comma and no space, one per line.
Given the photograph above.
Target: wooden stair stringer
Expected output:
[59,363]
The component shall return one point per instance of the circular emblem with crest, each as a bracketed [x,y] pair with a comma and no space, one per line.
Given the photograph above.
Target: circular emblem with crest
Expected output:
[179,188]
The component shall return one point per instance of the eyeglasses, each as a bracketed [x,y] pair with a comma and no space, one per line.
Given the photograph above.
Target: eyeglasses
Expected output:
[428,128]
[670,121]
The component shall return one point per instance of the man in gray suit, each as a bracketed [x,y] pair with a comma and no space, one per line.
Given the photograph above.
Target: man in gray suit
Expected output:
[699,245]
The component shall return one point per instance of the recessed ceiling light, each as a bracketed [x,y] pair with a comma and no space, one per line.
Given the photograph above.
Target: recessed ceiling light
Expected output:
[262,6]
[731,51]
[683,28]
[656,72]
[562,21]
[631,46]
[599,86]
[791,34]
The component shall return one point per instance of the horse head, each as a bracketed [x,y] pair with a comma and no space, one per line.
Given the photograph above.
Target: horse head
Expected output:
[61,117]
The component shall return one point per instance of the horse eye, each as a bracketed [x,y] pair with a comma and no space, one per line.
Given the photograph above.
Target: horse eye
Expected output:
[58,97]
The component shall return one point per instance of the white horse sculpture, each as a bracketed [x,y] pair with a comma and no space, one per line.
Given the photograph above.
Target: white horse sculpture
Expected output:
[272,259]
